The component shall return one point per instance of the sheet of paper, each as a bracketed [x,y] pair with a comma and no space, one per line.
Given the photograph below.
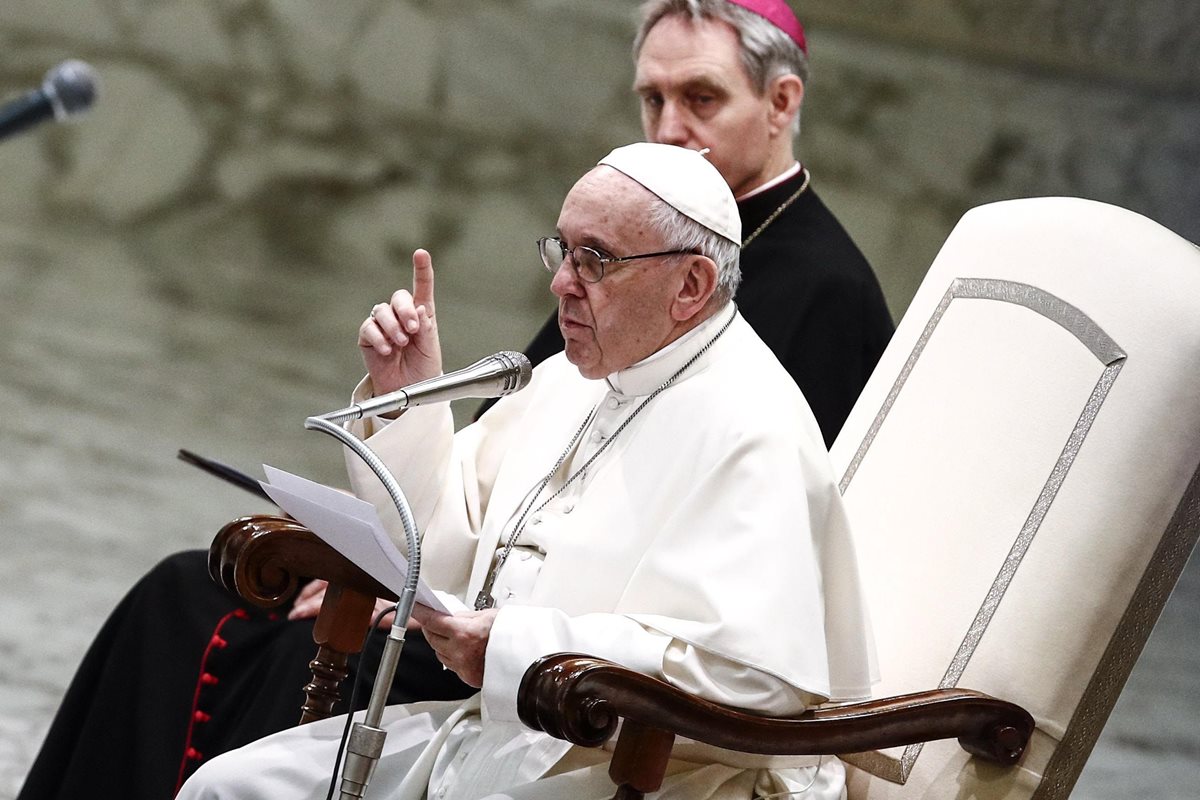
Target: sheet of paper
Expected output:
[353,528]
[318,492]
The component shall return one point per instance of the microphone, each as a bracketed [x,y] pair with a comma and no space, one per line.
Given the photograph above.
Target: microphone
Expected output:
[67,90]
[495,376]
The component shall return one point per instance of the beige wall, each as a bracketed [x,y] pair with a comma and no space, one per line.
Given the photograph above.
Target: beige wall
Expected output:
[187,265]
[338,136]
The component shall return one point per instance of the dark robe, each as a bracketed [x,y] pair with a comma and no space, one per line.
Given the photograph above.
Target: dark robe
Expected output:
[808,293]
[183,671]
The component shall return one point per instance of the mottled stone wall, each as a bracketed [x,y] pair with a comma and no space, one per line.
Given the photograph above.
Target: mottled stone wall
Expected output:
[921,109]
[338,136]
[187,265]
[333,137]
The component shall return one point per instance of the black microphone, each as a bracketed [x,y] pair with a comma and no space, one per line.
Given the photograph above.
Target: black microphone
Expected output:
[68,89]
[495,376]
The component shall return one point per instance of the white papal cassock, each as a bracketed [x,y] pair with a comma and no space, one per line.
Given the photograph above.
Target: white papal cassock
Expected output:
[706,545]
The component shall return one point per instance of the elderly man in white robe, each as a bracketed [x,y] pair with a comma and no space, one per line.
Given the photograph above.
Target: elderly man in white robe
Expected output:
[659,495]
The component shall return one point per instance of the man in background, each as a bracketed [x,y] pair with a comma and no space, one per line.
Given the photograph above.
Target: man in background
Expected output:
[730,76]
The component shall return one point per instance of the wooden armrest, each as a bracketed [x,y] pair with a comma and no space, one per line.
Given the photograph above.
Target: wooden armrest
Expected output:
[580,699]
[263,559]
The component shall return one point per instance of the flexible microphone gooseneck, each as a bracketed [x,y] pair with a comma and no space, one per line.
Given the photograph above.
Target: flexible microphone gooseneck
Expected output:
[500,374]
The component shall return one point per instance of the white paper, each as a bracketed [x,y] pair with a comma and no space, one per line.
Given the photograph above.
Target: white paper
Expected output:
[353,528]
[343,502]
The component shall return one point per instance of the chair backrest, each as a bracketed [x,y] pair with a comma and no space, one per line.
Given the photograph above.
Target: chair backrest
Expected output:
[1022,471]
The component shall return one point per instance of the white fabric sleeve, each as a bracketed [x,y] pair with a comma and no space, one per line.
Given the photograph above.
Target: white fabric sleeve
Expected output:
[522,634]
[446,479]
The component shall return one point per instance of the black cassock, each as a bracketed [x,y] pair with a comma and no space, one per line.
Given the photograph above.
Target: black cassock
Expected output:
[181,671]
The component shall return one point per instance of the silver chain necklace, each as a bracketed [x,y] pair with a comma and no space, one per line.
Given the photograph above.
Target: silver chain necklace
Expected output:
[485,599]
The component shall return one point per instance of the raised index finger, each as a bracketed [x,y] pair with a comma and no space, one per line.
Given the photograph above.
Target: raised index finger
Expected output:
[423,280]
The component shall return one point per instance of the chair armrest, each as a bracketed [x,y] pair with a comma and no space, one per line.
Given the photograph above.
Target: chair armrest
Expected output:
[579,699]
[264,559]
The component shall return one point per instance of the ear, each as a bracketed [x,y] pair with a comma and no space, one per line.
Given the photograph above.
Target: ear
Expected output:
[784,94]
[698,285]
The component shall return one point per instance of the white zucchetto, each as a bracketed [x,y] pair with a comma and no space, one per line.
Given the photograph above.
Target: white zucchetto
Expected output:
[685,180]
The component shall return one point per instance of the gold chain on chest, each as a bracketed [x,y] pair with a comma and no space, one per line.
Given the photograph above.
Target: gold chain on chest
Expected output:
[782,207]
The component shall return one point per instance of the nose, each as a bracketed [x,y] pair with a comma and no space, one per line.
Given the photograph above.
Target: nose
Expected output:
[671,126]
[566,281]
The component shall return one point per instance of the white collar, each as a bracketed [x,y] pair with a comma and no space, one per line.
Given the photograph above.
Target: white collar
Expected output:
[778,179]
[648,374]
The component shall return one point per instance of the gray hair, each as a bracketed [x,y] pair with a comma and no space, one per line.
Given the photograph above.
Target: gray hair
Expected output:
[680,232]
[767,52]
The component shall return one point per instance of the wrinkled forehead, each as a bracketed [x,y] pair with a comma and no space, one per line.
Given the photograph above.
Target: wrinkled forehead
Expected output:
[606,197]
[682,50]
[606,180]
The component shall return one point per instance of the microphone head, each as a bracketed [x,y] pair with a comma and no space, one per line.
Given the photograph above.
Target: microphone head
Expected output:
[71,88]
[517,371]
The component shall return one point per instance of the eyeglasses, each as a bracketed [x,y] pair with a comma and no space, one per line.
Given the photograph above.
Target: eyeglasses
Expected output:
[589,264]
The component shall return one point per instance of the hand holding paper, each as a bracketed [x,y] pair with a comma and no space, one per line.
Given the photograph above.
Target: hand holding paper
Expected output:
[460,640]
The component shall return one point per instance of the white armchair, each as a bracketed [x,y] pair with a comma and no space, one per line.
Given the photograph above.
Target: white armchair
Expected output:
[1022,470]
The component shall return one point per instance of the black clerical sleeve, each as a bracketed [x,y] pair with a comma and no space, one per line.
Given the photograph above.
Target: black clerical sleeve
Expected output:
[810,294]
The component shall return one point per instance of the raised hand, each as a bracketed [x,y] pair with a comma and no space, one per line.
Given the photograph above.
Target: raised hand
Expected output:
[399,341]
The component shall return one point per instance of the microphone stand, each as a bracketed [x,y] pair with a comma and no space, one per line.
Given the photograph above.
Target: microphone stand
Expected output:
[499,374]
[366,738]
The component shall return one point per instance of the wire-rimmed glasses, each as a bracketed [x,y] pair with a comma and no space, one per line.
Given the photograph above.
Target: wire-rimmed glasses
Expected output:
[589,264]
